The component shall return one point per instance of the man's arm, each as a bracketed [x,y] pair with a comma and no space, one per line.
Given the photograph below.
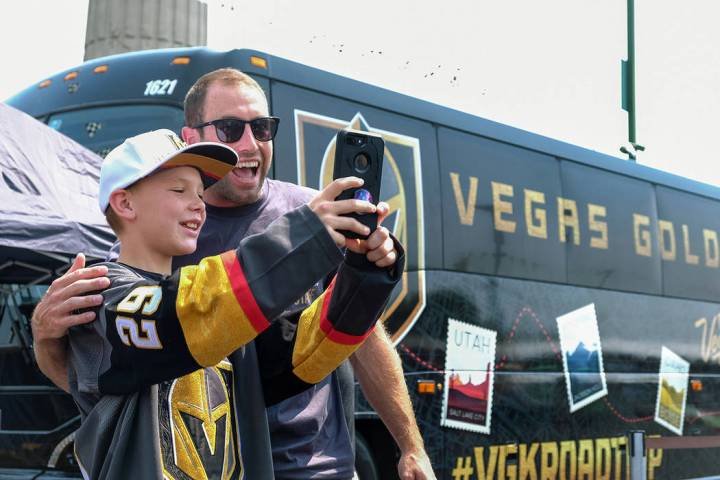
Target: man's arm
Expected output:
[379,371]
[54,314]
[51,357]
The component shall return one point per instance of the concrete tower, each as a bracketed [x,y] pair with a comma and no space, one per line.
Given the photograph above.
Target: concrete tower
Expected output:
[118,26]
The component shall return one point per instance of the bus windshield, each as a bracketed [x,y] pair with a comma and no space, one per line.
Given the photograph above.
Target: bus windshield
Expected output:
[103,128]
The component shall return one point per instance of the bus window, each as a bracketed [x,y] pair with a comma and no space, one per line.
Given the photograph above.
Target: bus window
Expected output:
[103,128]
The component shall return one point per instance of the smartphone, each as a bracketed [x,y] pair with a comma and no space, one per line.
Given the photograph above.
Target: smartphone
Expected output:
[360,154]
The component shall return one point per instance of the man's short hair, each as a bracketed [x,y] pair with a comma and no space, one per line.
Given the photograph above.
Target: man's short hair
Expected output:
[195,98]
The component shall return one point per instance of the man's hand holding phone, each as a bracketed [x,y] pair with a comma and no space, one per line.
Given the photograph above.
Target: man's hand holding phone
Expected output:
[379,247]
[334,213]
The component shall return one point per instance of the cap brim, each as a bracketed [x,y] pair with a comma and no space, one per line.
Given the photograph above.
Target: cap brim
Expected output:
[214,160]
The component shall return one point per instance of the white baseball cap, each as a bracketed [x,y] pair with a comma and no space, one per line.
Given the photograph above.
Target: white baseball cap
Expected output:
[141,155]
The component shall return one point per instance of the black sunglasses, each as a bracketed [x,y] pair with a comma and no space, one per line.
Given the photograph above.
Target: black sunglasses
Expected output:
[230,130]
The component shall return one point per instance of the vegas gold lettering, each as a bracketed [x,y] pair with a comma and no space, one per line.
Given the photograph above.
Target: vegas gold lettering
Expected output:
[712,253]
[537,213]
[501,207]
[568,218]
[595,224]
[549,461]
[535,217]
[666,237]
[690,258]
[643,239]
[536,221]
[667,242]
[466,211]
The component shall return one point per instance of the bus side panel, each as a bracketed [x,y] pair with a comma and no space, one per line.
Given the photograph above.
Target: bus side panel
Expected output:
[490,191]
[689,243]
[532,427]
[610,251]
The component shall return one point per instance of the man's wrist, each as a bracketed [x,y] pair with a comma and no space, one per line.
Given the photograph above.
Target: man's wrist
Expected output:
[52,346]
[412,445]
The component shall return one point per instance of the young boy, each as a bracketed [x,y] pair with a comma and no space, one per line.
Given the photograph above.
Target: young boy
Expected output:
[150,377]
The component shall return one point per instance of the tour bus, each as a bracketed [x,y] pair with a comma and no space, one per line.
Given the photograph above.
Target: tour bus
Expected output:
[555,298]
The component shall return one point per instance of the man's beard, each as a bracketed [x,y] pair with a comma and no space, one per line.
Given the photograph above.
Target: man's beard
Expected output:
[226,190]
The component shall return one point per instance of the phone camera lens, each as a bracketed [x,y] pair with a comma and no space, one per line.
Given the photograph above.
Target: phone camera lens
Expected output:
[361,163]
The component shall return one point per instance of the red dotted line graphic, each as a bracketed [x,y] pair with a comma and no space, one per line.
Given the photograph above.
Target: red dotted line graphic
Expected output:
[523,312]
[623,418]
[419,360]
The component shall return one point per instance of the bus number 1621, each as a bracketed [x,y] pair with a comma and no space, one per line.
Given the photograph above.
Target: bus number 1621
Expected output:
[160,87]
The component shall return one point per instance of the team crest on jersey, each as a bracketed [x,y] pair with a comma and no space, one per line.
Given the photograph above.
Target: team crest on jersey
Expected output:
[401,189]
[197,426]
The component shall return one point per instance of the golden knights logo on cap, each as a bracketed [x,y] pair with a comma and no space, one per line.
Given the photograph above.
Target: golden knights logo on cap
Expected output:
[177,142]
[401,189]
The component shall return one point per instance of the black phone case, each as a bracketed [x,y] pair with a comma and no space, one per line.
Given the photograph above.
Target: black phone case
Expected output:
[349,145]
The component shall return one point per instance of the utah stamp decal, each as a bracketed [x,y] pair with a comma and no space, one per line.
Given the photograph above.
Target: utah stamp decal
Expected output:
[469,374]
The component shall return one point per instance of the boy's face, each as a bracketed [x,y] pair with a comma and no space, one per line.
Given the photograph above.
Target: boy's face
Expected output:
[170,210]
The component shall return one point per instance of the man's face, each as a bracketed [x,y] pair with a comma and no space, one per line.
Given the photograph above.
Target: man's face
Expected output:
[243,185]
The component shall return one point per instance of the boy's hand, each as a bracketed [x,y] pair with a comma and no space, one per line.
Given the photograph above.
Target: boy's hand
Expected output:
[331,211]
[379,248]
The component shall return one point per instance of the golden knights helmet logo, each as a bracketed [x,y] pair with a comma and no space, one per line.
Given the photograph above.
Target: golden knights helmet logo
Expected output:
[199,418]
[401,189]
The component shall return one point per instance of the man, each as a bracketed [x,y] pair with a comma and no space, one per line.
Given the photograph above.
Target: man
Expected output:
[310,436]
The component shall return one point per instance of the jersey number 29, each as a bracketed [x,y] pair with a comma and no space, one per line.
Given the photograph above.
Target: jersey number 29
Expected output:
[144,335]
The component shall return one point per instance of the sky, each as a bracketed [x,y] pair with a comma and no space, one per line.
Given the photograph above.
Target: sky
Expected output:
[551,67]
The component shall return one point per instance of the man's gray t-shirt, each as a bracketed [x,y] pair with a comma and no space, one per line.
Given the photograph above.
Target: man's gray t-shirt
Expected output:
[310,433]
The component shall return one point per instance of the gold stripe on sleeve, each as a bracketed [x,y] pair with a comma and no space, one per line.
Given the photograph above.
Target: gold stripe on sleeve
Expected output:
[316,355]
[309,334]
[212,321]
[323,360]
